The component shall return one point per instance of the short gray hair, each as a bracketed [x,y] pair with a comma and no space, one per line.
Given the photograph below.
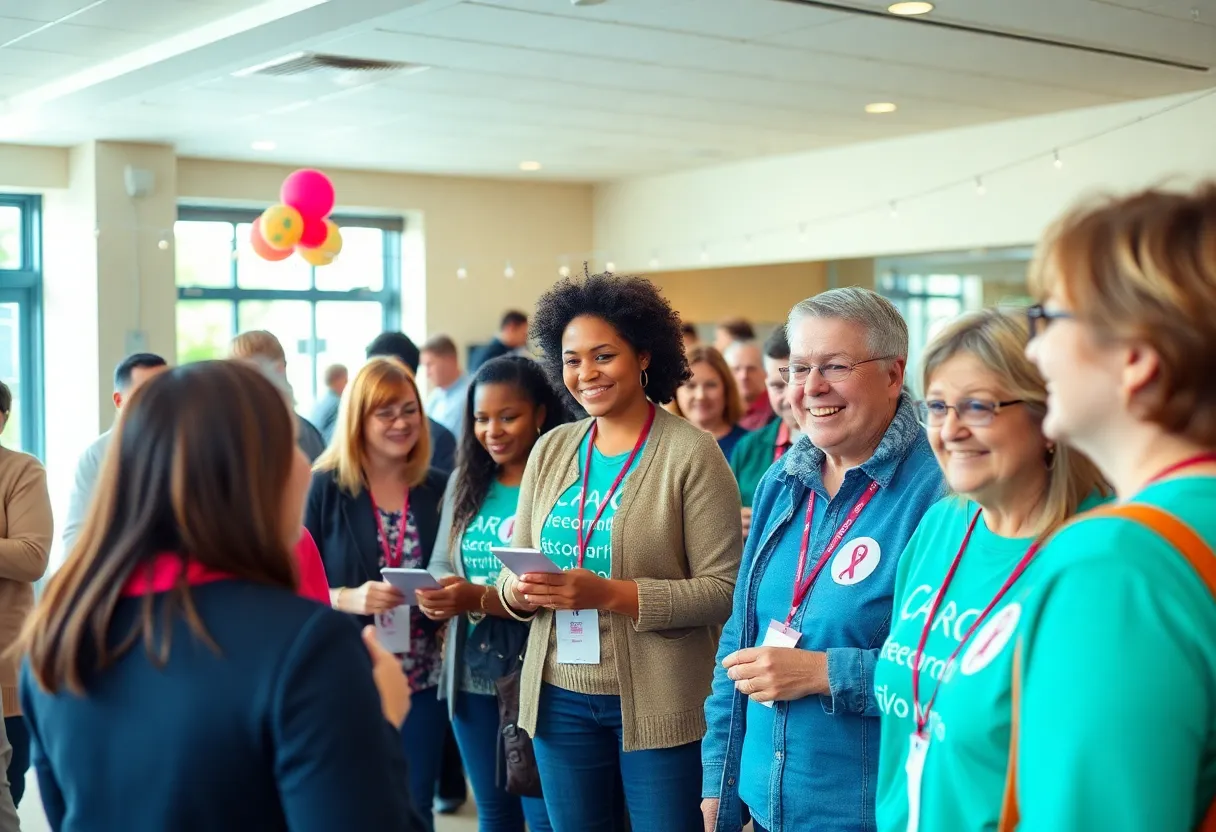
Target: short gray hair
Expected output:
[735,346]
[886,329]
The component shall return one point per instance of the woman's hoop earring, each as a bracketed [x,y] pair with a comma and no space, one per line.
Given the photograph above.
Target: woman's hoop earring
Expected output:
[645,380]
[1051,457]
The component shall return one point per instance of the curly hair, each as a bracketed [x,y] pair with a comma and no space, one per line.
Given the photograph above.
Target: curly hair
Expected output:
[476,470]
[633,307]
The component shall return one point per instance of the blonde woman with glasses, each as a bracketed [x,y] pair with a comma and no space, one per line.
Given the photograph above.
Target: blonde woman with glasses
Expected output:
[943,678]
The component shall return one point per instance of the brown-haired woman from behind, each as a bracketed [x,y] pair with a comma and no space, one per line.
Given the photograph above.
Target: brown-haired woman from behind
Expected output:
[174,679]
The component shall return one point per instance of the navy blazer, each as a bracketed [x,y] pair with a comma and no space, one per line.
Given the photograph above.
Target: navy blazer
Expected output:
[279,729]
[344,528]
[443,447]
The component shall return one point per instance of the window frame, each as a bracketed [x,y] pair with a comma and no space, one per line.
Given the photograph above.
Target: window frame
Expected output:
[23,286]
[389,295]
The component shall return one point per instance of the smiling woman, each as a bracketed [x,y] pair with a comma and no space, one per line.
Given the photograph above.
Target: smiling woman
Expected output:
[640,510]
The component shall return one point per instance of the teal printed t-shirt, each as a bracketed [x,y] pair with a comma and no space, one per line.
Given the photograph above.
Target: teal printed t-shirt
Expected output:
[492,527]
[559,535]
[1118,731]
[964,775]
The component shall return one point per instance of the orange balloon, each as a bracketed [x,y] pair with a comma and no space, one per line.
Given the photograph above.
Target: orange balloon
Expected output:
[315,256]
[262,248]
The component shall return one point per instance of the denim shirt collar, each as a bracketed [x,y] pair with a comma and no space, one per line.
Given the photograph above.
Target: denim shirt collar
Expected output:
[804,462]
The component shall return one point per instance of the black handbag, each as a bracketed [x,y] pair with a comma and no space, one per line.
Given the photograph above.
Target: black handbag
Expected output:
[494,647]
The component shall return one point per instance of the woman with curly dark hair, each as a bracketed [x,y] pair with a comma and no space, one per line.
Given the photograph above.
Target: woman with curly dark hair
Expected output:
[640,510]
[509,406]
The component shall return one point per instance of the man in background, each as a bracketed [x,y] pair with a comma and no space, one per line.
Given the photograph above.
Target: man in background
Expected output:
[325,411]
[691,339]
[449,387]
[512,337]
[130,373]
[730,331]
[747,366]
[758,451]
[263,346]
[398,345]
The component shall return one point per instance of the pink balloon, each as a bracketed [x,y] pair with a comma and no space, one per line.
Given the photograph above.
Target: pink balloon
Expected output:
[311,193]
[315,232]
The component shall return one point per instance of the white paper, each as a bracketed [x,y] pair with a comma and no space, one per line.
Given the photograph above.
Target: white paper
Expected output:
[779,635]
[523,561]
[393,629]
[918,749]
[578,636]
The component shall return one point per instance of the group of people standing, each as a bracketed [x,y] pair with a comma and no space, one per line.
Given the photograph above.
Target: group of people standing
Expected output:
[987,608]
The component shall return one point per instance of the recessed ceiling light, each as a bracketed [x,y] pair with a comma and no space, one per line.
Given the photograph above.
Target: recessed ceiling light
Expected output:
[264,145]
[910,9]
[529,165]
[880,107]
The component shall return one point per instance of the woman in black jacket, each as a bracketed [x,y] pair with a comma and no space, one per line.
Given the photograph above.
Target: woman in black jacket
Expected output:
[374,503]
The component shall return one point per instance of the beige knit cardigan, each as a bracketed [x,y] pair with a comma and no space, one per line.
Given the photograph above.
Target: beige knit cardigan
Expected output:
[678,535]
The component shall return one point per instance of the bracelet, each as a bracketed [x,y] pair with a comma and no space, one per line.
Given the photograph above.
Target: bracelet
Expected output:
[506,605]
[485,596]
[337,599]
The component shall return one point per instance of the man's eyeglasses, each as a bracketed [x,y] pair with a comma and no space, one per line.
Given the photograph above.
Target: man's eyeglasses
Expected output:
[1038,318]
[974,413]
[833,372]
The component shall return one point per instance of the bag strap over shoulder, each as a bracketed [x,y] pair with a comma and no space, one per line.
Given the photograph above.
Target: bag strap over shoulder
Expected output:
[1202,559]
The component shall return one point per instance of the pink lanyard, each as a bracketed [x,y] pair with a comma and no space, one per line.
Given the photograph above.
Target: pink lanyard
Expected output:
[584,531]
[801,586]
[922,714]
[392,558]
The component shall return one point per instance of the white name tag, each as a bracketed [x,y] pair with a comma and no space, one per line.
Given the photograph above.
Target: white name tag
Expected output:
[779,635]
[578,636]
[918,749]
[393,629]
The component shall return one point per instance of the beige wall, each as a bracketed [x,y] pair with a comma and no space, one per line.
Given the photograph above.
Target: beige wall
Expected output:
[26,168]
[450,222]
[763,294]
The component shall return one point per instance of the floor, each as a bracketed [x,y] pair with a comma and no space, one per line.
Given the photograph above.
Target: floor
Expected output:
[32,819]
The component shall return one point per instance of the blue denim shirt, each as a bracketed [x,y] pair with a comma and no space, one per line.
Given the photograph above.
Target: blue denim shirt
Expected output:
[821,766]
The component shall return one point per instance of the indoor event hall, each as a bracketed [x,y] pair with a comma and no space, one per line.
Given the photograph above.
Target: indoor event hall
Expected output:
[934,277]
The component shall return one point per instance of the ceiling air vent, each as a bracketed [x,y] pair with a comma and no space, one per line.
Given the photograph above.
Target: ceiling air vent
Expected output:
[317,66]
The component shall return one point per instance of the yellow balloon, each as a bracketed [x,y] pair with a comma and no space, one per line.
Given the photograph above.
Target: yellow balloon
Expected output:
[282,226]
[315,256]
[333,240]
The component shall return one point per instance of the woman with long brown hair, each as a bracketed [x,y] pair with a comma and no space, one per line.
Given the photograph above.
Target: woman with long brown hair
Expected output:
[374,503]
[710,398]
[175,680]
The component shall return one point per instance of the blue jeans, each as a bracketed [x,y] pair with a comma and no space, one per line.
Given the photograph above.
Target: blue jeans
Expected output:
[578,751]
[19,739]
[423,733]
[498,810]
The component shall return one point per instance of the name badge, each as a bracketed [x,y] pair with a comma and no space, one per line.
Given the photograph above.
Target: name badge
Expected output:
[393,629]
[578,636]
[918,749]
[779,635]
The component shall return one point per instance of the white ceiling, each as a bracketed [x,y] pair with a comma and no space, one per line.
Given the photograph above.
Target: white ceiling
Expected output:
[625,88]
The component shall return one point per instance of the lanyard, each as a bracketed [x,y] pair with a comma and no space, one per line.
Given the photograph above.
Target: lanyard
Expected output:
[803,586]
[393,558]
[1189,462]
[922,714]
[584,531]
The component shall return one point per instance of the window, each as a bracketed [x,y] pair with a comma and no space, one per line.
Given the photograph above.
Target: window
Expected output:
[322,316]
[927,302]
[21,320]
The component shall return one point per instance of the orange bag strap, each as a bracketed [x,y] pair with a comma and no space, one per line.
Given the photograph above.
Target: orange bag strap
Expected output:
[1201,558]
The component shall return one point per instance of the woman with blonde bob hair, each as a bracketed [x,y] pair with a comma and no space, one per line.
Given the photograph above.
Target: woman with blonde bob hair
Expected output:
[944,676]
[710,398]
[374,504]
[1118,671]
[173,647]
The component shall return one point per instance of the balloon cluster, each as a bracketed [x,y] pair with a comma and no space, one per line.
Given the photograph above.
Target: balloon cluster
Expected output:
[298,224]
